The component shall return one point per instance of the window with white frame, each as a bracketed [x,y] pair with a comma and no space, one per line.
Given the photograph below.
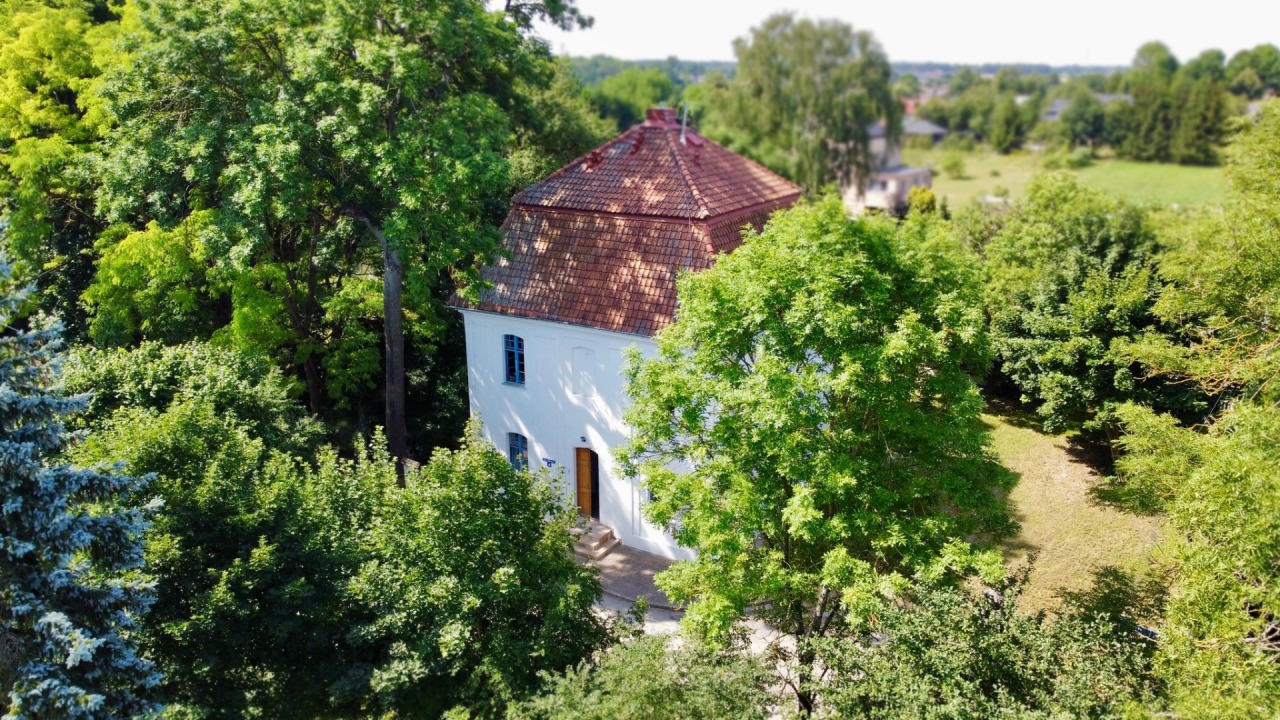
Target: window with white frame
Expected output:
[518,450]
[513,359]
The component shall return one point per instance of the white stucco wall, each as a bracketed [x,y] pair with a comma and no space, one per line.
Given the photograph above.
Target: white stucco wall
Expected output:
[573,397]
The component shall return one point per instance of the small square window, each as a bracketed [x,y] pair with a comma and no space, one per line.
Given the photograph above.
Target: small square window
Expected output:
[518,451]
[513,358]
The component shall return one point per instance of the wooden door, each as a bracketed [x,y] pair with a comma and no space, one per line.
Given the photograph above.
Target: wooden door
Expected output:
[588,474]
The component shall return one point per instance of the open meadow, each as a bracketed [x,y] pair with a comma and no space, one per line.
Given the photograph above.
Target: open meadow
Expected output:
[989,173]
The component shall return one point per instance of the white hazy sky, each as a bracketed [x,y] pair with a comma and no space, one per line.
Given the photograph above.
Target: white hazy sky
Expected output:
[1062,32]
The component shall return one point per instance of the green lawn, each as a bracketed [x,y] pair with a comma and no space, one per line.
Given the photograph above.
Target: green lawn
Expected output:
[1072,534]
[986,173]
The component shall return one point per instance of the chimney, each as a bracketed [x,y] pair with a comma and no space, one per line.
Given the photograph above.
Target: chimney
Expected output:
[662,117]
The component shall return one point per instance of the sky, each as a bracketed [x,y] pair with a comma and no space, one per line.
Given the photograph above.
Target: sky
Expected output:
[1065,32]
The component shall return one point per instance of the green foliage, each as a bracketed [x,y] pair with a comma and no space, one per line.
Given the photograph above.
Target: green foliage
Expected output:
[300,589]
[626,96]
[803,99]
[471,589]
[1084,120]
[1006,126]
[155,377]
[921,199]
[945,653]
[1252,71]
[50,56]
[953,164]
[154,284]
[319,141]
[71,580]
[1068,277]
[1218,482]
[818,383]
[652,678]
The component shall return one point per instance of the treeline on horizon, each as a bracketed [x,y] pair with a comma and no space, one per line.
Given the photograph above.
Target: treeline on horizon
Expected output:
[226,224]
[1157,110]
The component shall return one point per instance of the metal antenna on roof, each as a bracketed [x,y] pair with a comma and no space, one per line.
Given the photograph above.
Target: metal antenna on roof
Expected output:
[684,122]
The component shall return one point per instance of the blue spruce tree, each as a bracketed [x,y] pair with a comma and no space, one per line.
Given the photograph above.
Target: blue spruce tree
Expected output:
[71,582]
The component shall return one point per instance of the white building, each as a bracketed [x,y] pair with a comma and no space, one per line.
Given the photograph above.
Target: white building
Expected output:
[886,187]
[594,251]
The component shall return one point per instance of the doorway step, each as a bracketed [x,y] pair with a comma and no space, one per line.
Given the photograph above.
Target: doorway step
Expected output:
[594,541]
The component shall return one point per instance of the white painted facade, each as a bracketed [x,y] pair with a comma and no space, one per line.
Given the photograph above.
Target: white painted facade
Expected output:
[573,397]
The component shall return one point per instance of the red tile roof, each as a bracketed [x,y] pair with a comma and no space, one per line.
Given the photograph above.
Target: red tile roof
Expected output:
[647,170]
[600,241]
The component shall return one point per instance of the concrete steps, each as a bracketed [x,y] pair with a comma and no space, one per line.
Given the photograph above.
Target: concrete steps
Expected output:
[594,540]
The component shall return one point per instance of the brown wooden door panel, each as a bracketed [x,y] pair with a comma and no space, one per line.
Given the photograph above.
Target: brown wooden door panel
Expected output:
[583,471]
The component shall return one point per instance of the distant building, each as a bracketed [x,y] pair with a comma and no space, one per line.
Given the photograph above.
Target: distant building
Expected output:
[889,181]
[592,252]
[1054,110]
[914,127]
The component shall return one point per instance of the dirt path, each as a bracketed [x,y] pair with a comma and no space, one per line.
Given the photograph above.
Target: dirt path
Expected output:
[1071,532]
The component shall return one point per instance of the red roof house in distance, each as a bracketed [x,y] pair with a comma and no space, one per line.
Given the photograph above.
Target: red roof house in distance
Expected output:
[592,253]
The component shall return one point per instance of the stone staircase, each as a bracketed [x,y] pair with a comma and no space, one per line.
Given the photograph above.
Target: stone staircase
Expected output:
[594,540]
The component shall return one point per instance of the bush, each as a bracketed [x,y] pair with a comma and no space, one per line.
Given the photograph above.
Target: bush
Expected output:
[654,678]
[942,653]
[953,165]
[1074,159]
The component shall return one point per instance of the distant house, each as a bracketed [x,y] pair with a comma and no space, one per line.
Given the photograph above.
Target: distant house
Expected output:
[914,127]
[592,253]
[886,186]
[1054,110]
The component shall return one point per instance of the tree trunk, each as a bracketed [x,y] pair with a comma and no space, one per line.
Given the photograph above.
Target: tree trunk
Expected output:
[393,330]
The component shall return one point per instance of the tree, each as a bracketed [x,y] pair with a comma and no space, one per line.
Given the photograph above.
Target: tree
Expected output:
[471,591]
[626,96]
[327,138]
[649,678]
[1006,126]
[1154,62]
[1084,120]
[816,392]
[313,588]
[50,54]
[804,97]
[907,86]
[1150,123]
[1209,65]
[71,581]
[1069,277]
[930,652]
[1253,71]
[1201,122]
[1217,481]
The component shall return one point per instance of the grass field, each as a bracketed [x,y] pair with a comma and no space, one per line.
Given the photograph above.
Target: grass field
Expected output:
[1072,534]
[986,172]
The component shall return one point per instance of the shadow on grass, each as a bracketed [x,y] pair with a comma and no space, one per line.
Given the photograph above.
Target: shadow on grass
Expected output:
[1121,597]
[1115,492]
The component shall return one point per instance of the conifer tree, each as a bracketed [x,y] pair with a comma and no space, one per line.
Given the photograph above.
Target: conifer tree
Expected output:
[71,586]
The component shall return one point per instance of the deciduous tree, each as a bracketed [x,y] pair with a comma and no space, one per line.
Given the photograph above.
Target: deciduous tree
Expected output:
[809,424]
[804,97]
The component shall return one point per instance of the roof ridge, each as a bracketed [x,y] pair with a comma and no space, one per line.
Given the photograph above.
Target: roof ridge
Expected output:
[684,172]
[569,166]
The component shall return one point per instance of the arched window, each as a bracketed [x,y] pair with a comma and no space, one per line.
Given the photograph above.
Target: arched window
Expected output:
[518,450]
[513,358]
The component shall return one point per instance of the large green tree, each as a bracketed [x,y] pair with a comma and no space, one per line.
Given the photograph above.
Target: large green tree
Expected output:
[1069,276]
[1220,648]
[50,55]
[809,424]
[804,98]
[328,139]
[626,96]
